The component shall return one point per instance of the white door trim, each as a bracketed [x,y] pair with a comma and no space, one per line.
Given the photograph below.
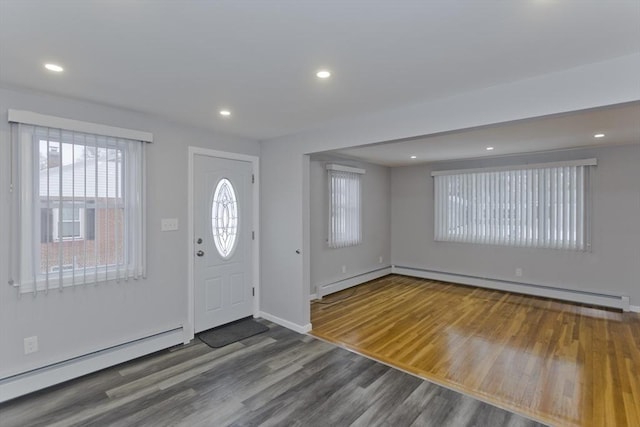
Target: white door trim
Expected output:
[255,280]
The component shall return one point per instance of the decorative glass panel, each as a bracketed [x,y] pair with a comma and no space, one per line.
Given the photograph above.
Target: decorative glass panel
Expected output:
[224,218]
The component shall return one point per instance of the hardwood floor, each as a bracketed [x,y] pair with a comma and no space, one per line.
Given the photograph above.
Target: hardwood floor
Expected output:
[560,363]
[278,378]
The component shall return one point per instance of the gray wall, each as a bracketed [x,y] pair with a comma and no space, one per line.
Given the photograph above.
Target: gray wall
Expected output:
[326,263]
[284,278]
[86,319]
[282,204]
[612,266]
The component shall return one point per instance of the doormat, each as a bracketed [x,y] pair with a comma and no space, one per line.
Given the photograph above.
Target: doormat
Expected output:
[232,332]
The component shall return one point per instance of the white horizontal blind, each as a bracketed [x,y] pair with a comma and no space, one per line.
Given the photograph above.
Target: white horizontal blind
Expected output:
[80,208]
[542,207]
[345,208]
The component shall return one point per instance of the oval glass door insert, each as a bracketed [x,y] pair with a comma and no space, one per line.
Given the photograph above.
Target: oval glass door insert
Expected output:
[224,218]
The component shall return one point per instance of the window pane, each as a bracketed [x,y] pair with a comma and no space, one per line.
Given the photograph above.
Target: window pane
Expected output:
[70,229]
[90,224]
[70,213]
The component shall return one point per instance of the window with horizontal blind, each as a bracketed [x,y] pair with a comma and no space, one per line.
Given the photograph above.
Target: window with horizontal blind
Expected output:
[345,206]
[78,208]
[541,206]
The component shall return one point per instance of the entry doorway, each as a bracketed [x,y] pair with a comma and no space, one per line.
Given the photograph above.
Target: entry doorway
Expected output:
[223,245]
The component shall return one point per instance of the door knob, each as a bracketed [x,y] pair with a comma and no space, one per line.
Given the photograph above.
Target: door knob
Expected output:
[200,253]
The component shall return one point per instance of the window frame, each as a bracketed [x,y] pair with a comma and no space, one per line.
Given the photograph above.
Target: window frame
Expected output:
[26,206]
[55,232]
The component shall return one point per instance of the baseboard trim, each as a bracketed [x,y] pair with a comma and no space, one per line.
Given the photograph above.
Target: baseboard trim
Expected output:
[634,308]
[38,379]
[313,297]
[301,329]
[340,285]
[613,301]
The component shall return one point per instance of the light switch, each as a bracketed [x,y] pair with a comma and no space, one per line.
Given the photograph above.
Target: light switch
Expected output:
[169,224]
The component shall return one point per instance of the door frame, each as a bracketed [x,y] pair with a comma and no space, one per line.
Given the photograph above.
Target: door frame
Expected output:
[255,279]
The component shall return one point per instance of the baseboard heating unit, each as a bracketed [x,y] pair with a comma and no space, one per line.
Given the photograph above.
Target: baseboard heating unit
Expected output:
[37,379]
[329,288]
[571,295]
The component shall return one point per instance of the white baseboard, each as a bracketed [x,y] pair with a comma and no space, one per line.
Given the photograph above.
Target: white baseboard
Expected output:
[340,285]
[313,297]
[614,301]
[21,384]
[634,308]
[301,329]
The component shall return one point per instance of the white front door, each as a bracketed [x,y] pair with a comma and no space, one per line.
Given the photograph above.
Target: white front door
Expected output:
[222,241]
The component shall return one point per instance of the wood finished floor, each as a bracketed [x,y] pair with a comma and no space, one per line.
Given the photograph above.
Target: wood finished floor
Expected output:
[278,378]
[560,363]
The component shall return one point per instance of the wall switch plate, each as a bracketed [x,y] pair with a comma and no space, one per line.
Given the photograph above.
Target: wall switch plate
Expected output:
[169,224]
[30,345]
[380,260]
[344,268]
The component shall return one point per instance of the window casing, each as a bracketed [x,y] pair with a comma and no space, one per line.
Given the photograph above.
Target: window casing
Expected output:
[541,206]
[79,213]
[345,206]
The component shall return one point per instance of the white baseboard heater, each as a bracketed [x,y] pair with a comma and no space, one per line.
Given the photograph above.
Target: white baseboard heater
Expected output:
[592,298]
[329,288]
[38,379]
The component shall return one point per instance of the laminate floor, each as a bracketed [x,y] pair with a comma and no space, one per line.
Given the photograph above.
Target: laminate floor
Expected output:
[561,363]
[278,378]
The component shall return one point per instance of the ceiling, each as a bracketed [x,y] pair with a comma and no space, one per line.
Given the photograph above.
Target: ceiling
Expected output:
[186,59]
[620,124]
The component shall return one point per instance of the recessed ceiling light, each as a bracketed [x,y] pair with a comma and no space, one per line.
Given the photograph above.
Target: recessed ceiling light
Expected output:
[225,113]
[54,67]
[414,157]
[323,74]
[489,148]
[599,135]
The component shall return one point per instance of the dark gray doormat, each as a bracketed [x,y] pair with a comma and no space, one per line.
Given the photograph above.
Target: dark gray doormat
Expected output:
[232,332]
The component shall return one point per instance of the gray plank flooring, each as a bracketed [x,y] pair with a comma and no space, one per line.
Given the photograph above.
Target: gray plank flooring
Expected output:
[278,378]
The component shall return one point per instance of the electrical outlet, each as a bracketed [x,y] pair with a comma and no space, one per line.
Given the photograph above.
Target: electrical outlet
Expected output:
[380,260]
[169,224]
[30,345]
[518,272]
[344,268]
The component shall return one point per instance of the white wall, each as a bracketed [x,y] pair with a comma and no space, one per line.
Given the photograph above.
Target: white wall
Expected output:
[86,319]
[611,267]
[282,159]
[326,263]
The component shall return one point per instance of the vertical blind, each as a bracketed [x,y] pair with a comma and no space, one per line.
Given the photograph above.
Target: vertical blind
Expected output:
[542,206]
[78,208]
[345,206]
